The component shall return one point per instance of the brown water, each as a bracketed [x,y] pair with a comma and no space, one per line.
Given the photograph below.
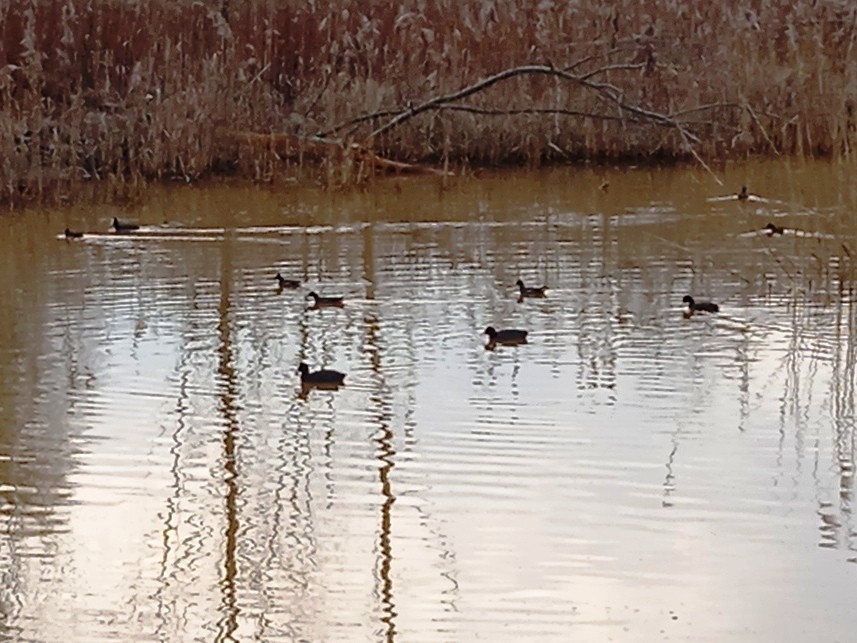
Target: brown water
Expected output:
[627,475]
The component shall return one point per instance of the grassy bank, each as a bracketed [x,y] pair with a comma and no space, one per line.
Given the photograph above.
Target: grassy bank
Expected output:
[126,91]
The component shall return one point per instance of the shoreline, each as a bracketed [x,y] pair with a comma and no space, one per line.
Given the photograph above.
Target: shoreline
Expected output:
[783,181]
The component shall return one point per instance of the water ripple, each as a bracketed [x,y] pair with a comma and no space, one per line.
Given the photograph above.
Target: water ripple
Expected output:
[628,473]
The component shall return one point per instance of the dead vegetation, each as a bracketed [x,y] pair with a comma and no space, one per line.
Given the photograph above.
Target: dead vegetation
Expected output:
[123,92]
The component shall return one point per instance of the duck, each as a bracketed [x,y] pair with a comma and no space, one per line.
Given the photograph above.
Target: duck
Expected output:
[530,292]
[123,226]
[322,302]
[699,306]
[323,377]
[743,195]
[773,229]
[282,282]
[510,336]
[72,234]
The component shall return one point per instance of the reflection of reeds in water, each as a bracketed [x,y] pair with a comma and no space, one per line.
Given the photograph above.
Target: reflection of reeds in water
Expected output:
[228,400]
[120,92]
[282,523]
[810,342]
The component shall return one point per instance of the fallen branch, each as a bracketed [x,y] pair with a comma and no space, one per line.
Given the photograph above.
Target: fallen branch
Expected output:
[606,90]
[616,67]
[400,167]
[528,111]
[525,111]
[290,145]
[359,120]
[611,94]
[703,108]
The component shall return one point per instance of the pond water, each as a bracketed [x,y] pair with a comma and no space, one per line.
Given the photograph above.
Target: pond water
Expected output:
[628,474]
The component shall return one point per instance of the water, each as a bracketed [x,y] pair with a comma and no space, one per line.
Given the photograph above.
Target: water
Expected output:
[627,475]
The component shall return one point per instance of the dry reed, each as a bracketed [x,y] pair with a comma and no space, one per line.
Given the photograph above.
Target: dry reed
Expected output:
[125,91]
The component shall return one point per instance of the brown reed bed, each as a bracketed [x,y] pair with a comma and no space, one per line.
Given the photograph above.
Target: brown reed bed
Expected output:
[126,91]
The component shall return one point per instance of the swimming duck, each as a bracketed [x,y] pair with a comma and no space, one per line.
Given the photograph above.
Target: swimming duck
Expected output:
[509,337]
[321,302]
[282,282]
[743,195]
[774,229]
[71,234]
[530,292]
[700,306]
[322,377]
[123,226]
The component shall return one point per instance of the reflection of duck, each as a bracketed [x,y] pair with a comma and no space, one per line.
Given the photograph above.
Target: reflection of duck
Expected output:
[699,306]
[509,337]
[282,282]
[71,234]
[322,302]
[322,377]
[743,195]
[123,226]
[530,292]
[773,229]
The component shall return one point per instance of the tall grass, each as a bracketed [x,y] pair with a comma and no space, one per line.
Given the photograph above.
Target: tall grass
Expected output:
[125,91]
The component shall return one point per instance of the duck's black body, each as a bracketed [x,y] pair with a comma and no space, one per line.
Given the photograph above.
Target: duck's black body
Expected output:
[530,292]
[322,377]
[700,306]
[510,336]
[123,226]
[743,195]
[282,282]
[322,302]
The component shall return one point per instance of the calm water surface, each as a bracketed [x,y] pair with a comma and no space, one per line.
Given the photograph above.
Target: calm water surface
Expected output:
[627,475]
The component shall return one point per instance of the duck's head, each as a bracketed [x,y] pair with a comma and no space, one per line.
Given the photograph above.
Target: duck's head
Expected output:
[687,299]
[303,369]
[519,284]
[773,229]
[743,193]
[313,294]
[491,332]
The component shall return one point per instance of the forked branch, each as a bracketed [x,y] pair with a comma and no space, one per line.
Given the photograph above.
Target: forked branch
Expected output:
[607,91]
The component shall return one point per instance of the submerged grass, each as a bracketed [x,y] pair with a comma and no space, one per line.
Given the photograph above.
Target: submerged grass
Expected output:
[125,91]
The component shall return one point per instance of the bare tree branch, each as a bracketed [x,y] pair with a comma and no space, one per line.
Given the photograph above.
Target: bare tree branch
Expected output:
[485,111]
[359,120]
[528,111]
[607,91]
[534,111]
[605,54]
[702,108]
[619,66]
